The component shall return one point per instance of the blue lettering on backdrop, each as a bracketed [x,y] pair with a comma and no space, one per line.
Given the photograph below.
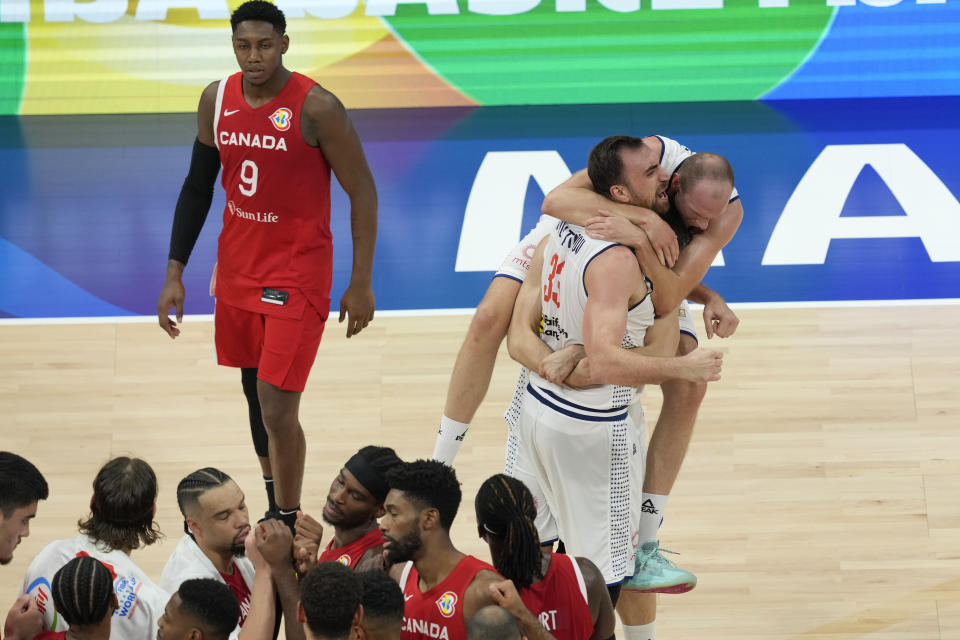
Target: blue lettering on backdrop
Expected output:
[843,200]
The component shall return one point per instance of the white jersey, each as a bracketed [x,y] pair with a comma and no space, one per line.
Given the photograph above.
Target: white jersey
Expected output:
[566,257]
[141,601]
[188,562]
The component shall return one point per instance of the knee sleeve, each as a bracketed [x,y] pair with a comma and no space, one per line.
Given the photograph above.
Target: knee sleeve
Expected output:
[249,379]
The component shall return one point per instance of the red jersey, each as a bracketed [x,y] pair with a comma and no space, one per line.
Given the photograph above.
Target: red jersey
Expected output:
[276,224]
[350,554]
[438,613]
[51,635]
[560,600]
[240,591]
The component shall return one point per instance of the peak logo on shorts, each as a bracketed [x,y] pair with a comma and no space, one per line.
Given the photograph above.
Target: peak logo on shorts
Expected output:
[447,604]
[344,560]
[281,118]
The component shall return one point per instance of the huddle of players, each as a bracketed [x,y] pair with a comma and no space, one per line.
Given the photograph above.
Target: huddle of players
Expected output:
[226,578]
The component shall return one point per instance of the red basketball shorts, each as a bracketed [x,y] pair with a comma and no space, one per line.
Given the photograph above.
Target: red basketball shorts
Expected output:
[281,349]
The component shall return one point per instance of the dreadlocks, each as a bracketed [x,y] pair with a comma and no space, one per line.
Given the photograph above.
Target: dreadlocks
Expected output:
[506,510]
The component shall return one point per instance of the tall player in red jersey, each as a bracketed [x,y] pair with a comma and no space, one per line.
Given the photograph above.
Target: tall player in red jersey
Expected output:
[567,595]
[277,135]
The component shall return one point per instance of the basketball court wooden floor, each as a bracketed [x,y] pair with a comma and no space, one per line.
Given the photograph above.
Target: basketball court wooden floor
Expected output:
[820,499]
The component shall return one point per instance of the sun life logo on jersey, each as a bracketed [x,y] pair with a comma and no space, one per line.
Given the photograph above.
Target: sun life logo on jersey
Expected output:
[281,118]
[344,560]
[447,604]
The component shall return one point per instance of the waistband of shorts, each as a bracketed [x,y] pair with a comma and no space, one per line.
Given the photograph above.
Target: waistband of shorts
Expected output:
[574,410]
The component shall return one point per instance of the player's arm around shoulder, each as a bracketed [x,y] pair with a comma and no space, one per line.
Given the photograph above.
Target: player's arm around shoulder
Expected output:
[598,599]
[326,125]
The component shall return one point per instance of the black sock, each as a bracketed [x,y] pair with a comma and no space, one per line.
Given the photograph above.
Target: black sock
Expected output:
[271,500]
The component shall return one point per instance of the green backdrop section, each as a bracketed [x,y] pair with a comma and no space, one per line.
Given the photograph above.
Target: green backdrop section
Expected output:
[13,66]
[542,56]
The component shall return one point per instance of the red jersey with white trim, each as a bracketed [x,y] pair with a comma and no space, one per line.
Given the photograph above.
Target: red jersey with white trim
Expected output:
[560,600]
[349,554]
[240,591]
[276,223]
[438,613]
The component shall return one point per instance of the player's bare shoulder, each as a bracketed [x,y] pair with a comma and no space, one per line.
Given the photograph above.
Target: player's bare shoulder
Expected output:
[205,113]
[322,112]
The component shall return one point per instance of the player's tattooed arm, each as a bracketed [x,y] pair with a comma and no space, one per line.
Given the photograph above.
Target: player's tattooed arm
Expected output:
[575,201]
[326,125]
[523,335]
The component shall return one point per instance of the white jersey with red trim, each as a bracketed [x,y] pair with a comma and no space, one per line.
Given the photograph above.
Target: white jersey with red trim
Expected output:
[141,601]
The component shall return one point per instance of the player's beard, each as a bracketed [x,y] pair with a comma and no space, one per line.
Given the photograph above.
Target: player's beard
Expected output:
[405,548]
[238,549]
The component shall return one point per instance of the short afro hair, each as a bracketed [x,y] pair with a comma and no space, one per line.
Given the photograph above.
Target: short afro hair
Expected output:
[430,483]
[211,603]
[259,11]
[330,594]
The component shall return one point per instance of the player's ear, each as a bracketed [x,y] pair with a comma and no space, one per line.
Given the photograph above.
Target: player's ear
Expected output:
[284,43]
[619,193]
[675,182]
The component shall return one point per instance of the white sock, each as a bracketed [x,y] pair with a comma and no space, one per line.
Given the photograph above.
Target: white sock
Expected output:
[640,632]
[449,439]
[651,515]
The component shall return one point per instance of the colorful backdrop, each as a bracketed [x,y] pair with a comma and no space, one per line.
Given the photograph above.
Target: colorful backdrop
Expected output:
[154,56]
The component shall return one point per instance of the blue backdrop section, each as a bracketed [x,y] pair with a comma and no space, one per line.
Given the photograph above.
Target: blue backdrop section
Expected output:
[905,49]
[84,226]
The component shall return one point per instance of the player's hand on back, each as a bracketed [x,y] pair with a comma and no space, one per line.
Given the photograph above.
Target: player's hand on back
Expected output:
[702,365]
[357,306]
[719,319]
[172,295]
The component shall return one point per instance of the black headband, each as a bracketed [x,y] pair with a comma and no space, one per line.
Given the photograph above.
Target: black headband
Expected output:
[369,477]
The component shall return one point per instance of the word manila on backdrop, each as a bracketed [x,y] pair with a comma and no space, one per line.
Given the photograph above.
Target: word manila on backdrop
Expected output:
[839,117]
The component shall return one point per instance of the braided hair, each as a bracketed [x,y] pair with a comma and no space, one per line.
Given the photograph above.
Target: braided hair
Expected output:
[506,510]
[195,485]
[81,591]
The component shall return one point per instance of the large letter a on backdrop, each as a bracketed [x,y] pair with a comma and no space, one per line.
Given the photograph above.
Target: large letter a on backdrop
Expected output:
[812,215]
[491,224]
